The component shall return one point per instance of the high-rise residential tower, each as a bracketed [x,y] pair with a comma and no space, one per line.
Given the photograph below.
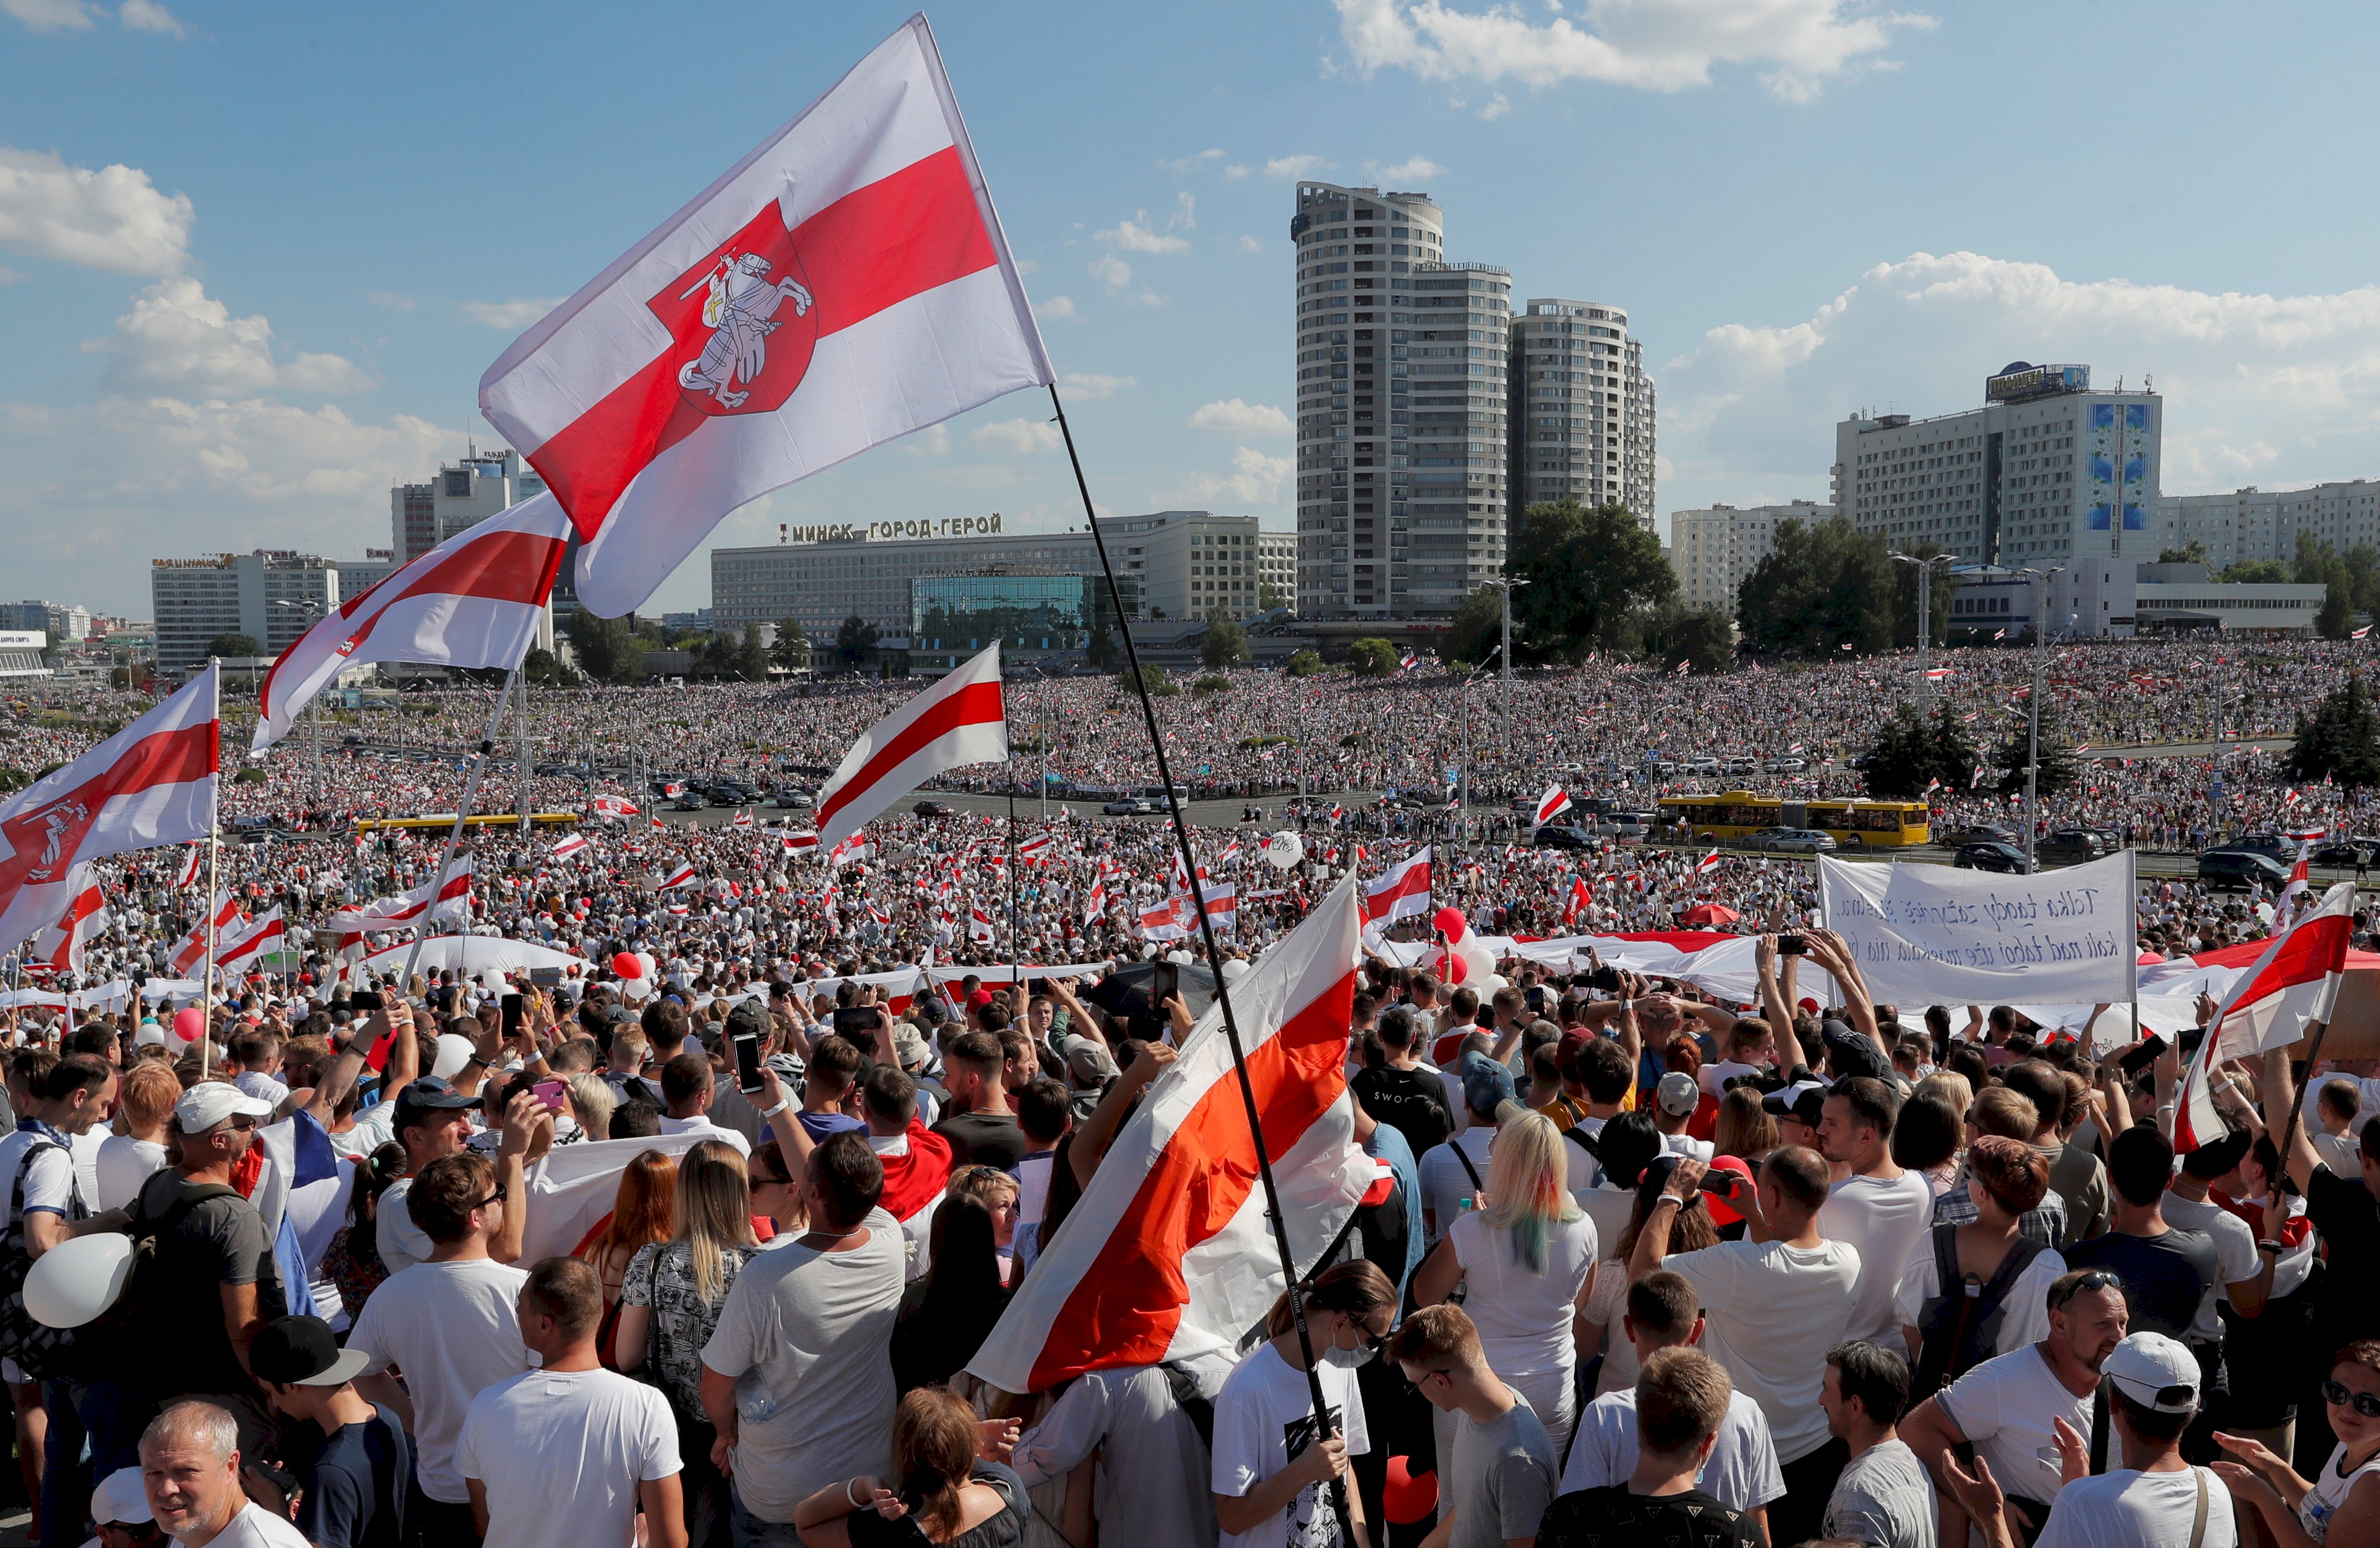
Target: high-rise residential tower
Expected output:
[1581,408]
[1400,408]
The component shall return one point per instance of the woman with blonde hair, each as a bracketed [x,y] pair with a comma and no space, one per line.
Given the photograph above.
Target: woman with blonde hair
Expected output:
[669,1307]
[1528,1257]
[591,1103]
[947,1489]
[1745,1129]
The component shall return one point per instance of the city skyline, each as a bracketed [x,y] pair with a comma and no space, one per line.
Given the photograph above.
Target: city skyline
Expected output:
[232,317]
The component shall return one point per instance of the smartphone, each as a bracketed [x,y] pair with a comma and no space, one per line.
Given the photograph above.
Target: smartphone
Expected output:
[2139,1059]
[858,1023]
[516,1014]
[1719,1182]
[366,1001]
[1792,946]
[551,1092]
[1165,983]
[747,1060]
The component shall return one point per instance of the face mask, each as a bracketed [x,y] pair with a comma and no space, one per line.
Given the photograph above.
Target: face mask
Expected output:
[1347,1359]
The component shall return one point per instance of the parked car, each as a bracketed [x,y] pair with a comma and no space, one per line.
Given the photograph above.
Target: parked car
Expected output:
[1742,765]
[2272,846]
[935,809]
[2005,858]
[2240,868]
[726,794]
[688,801]
[1564,836]
[1133,806]
[1703,766]
[792,801]
[1793,841]
[1980,833]
[2343,852]
[2071,846]
[1791,763]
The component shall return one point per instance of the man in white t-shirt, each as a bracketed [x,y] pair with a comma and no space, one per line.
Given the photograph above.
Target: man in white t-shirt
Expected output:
[189,1469]
[2021,1410]
[688,1086]
[449,1326]
[1773,1304]
[564,1456]
[2154,1500]
[1876,1208]
[1885,1497]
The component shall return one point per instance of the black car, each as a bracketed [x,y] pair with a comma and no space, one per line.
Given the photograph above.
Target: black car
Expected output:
[688,801]
[2240,868]
[935,809]
[2071,846]
[2342,852]
[2272,846]
[724,794]
[1563,835]
[1980,833]
[2005,858]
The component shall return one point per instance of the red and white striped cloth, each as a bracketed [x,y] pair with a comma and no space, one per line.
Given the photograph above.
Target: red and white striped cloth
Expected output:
[570,846]
[191,949]
[959,720]
[1402,891]
[845,284]
[474,600]
[798,843]
[153,783]
[60,948]
[681,876]
[1222,906]
[264,933]
[194,856]
[609,806]
[2295,981]
[1552,805]
[450,901]
[1168,1255]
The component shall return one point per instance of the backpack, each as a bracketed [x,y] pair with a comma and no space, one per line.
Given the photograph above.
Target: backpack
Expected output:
[40,1351]
[147,1311]
[1960,1327]
[1199,1408]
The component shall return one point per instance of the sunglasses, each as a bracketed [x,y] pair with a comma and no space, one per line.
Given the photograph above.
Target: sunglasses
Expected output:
[2097,1279]
[503,1193]
[2367,1404]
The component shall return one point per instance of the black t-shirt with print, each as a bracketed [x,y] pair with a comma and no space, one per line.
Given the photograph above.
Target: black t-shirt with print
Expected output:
[1412,1102]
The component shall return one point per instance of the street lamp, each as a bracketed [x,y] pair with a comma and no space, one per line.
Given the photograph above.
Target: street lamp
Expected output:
[1504,585]
[2033,706]
[1925,622]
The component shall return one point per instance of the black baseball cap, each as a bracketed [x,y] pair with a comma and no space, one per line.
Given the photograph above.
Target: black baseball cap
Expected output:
[425,1095]
[1804,1103]
[301,1351]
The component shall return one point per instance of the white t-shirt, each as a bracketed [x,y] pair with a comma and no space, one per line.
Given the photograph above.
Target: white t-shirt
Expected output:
[125,1163]
[255,1527]
[401,1243]
[451,1329]
[86,1147]
[1444,1183]
[815,1329]
[1263,1418]
[1771,1312]
[2009,1406]
[560,1454]
[1740,1472]
[1523,1318]
[700,1124]
[2127,1509]
[375,1125]
[50,1180]
[2329,1492]
[1882,1219]
[2025,1311]
[1714,1077]
[2236,1257]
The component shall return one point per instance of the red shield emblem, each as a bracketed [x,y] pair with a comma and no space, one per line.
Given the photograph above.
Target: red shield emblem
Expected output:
[745,322]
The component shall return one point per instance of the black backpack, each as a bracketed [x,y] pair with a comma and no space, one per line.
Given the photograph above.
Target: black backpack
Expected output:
[1960,1327]
[41,1353]
[147,1310]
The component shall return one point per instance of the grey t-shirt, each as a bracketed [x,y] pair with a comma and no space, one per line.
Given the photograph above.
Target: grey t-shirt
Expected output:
[1883,1498]
[1502,1477]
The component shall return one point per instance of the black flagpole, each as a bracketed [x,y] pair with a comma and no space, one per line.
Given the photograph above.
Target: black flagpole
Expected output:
[1323,1429]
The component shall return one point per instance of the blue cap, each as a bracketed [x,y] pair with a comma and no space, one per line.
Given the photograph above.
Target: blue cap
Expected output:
[1487,1084]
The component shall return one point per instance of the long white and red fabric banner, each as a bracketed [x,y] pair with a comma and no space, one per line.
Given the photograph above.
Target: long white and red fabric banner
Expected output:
[1169,1253]
[474,600]
[845,284]
[153,783]
[2295,980]
[959,720]
[1402,891]
[452,900]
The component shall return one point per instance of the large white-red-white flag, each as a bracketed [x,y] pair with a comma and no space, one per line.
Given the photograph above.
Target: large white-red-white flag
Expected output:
[60,947]
[960,720]
[1403,890]
[450,901]
[266,932]
[2295,981]
[1168,1255]
[474,600]
[845,284]
[191,951]
[153,783]
[1552,805]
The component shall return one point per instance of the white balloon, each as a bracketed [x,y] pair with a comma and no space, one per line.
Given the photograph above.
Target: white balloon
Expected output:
[1234,970]
[651,968]
[636,988]
[1284,849]
[75,1281]
[454,1050]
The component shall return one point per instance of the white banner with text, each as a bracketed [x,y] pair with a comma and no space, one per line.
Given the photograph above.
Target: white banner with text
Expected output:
[1933,935]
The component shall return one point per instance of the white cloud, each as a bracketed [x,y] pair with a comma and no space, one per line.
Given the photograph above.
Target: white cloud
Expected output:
[2285,389]
[1149,298]
[396,302]
[1411,170]
[1255,479]
[177,336]
[1238,416]
[934,441]
[1497,107]
[1139,236]
[148,16]
[50,15]
[1084,384]
[1294,167]
[1234,172]
[113,219]
[1053,309]
[1112,272]
[509,316]
[1183,165]
[1186,212]
[9,276]
[1019,436]
[1661,45]
[1251,244]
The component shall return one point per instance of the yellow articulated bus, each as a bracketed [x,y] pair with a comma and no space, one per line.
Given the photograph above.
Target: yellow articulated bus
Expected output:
[1738,814]
[477,819]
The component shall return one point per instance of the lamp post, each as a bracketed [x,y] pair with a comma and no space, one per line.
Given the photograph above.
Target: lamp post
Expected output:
[1504,585]
[1924,623]
[2032,708]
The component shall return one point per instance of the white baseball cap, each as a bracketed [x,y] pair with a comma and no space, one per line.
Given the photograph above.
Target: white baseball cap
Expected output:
[2154,1372]
[211,1102]
[120,1500]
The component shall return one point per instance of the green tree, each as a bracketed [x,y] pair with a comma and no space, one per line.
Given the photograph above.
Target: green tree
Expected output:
[1820,587]
[792,649]
[233,645]
[1910,751]
[2192,552]
[2339,740]
[1588,572]
[1477,625]
[855,643]
[1304,663]
[2257,572]
[2362,562]
[2337,619]
[543,667]
[1210,686]
[751,656]
[1269,596]
[1702,638]
[1154,681]
[1372,657]
[608,648]
[2058,768]
[1954,756]
[1226,643]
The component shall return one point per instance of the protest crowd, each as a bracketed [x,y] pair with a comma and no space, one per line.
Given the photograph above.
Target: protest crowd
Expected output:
[691,1185]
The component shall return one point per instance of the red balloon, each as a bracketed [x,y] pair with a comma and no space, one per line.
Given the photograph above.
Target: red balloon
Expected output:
[1449,922]
[624,963]
[189,1023]
[1452,968]
[1410,1496]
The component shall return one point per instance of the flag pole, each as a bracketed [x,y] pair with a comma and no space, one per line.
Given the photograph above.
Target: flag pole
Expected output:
[462,813]
[1323,1429]
[214,855]
[1016,978]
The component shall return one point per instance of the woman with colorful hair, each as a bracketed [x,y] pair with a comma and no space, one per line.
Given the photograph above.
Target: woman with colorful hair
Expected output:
[1527,1258]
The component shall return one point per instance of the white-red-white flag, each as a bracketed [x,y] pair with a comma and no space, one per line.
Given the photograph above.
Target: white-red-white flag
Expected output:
[1168,1255]
[1402,891]
[266,932]
[960,720]
[193,855]
[1553,804]
[979,926]
[741,819]
[1168,920]
[2298,881]
[1580,901]
[153,783]
[1033,849]
[60,947]
[2295,981]
[612,806]
[1708,864]
[1223,905]
[474,600]
[430,901]
[681,876]
[191,949]
[570,846]
[845,284]
[798,843]
[1094,904]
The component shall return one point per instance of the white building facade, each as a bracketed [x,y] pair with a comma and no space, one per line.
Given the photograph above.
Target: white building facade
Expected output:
[2253,524]
[462,495]
[1580,408]
[272,595]
[1711,550]
[2047,471]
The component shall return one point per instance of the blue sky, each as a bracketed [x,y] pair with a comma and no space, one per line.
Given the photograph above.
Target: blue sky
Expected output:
[254,257]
